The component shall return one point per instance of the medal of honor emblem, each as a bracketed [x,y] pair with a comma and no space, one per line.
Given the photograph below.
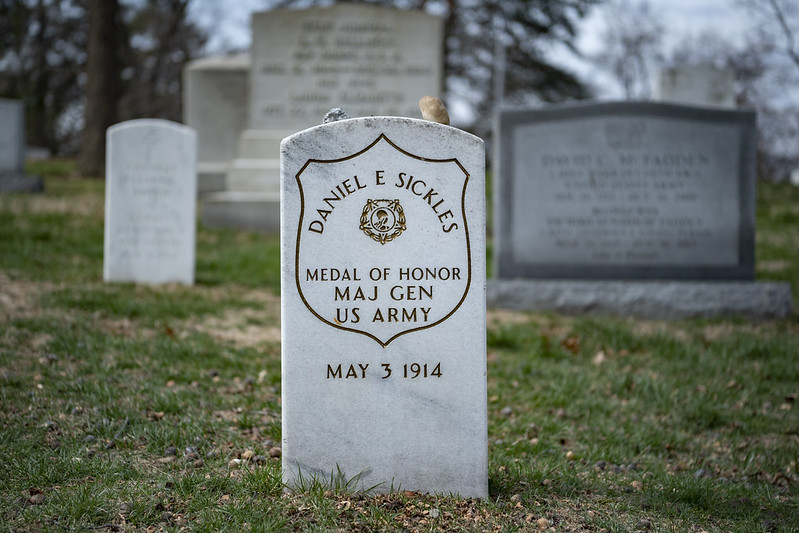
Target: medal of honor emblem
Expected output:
[399,286]
[383,220]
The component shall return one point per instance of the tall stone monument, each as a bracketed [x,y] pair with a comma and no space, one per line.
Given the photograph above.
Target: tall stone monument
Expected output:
[215,96]
[383,306]
[367,60]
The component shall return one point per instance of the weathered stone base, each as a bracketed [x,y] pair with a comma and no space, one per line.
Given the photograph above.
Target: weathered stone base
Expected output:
[645,299]
[20,183]
[211,177]
[256,211]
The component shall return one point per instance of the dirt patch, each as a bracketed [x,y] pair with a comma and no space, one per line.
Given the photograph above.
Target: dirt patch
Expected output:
[18,298]
[86,204]
[777,265]
[649,328]
[497,317]
[244,328]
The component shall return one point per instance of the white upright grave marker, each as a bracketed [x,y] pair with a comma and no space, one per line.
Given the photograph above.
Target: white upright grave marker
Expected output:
[383,306]
[12,150]
[151,187]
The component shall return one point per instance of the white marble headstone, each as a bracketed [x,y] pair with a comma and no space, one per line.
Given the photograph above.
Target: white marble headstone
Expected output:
[150,202]
[383,306]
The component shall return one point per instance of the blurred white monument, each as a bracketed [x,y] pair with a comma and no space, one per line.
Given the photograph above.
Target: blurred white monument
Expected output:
[702,84]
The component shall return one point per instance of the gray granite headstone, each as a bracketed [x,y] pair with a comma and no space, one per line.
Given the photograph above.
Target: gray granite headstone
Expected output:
[150,199]
[12,149]
[625,191]
[383,306]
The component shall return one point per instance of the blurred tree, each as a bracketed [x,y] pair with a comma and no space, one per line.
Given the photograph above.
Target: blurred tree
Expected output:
[511,39]
[778,21]
[776,41]
[102,84]
[42,53]
[633,42]
[52,59]
[761,80]
[161,41]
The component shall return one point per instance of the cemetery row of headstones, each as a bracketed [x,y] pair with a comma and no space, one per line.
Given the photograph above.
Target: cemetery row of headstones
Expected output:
[383,272]
[382,223]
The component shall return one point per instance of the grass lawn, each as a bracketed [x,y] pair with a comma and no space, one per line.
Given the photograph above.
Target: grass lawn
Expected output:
[134,408]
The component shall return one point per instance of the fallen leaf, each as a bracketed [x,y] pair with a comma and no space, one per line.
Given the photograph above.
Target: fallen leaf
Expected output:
[572,344]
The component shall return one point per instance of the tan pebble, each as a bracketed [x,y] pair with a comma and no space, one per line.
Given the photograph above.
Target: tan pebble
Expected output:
[570,455]
[599,358]
[275,451]
[516,498]
[433,110]
[234,463]
[37,499]
[637,485]
[247,455]
[543,523]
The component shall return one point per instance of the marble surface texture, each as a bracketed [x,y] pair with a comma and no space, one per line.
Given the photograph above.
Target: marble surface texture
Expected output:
[383,306]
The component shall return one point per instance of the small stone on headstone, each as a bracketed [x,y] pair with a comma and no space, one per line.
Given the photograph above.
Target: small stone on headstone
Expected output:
[335,115]
[433,110]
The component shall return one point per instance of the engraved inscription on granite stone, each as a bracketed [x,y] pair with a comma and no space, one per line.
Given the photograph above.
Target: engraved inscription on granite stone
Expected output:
[150,202]
[617,190]
[383,306]
[366,59]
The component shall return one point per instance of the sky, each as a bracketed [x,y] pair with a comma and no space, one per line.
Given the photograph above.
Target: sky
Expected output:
[230,28]
[681,19]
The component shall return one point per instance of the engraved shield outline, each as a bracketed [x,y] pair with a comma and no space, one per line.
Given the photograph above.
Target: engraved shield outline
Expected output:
[383,137]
